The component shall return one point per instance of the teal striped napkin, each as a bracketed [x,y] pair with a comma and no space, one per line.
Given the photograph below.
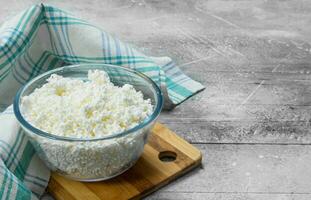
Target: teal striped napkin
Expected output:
[22,174]
[43,38]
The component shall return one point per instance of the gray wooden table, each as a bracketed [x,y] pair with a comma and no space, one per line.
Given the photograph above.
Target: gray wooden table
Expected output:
[252,122]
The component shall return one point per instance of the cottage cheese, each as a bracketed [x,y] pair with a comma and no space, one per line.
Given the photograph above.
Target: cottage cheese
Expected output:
[85,109]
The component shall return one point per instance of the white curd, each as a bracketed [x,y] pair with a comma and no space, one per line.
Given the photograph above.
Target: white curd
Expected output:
[85,109]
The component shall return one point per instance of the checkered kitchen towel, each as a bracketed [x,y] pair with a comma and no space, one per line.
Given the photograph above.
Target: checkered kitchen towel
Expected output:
[43,38]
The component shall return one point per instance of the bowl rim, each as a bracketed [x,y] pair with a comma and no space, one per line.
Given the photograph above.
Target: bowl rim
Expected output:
[26,125]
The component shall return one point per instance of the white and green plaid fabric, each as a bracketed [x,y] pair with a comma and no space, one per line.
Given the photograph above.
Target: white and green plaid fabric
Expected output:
[43,38]
[22,174]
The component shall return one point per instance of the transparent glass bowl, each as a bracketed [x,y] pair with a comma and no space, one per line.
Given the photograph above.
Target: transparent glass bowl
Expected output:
[92,159]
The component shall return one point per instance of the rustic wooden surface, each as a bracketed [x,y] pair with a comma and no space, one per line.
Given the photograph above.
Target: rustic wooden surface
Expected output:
[147,175]
[253,120]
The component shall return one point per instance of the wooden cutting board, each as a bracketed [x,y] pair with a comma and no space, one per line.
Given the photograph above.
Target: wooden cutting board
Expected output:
[154,169]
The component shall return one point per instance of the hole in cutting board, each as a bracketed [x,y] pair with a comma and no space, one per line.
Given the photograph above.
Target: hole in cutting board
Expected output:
[167,156]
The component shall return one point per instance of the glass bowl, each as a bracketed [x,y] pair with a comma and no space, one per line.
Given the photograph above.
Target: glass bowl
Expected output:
[99,158]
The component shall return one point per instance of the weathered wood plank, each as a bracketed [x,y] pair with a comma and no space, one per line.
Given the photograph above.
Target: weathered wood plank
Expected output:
[285,74]
[259,113]
[225,196]
[285,86]
[257,93]
[241,124]
[287,132]
[262,16]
